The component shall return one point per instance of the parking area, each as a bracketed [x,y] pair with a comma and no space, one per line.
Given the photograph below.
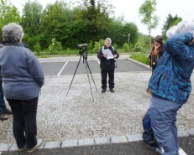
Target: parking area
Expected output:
[69,67]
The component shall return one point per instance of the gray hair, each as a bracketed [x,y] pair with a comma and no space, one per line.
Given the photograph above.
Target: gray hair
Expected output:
[12,32]
[108,40]
[181,28]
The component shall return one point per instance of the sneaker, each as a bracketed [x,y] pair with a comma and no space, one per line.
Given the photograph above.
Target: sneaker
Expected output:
[3,117]
[112,90]
[7,112]
[39,143]
[103,90]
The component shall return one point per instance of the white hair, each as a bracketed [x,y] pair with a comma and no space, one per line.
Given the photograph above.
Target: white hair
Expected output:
[12,32]
[181,28]
[108,40]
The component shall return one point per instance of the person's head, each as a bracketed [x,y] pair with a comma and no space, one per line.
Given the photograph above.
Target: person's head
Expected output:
[108,42]
[158,40]
[181,28]
[12,33]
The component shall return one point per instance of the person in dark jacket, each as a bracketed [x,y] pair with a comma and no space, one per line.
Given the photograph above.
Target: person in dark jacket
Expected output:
[157,51]
[170,86]
[22,78]
[107,55]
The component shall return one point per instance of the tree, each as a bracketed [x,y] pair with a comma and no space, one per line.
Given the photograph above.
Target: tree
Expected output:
[147,10]
[170,21]
[31,21]
[56,23]
[96,16]
[8,14]
[119,30]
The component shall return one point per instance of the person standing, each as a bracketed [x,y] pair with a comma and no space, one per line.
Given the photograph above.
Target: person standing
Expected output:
[157,51]
[170,86]
[107,55]
[4,111]
[22,78]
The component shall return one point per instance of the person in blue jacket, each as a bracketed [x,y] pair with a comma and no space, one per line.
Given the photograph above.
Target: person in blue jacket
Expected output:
[22,78]
[4,111]
[170,85]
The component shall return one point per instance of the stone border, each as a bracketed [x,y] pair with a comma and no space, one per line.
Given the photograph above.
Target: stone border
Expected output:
[91,141]
[139,63]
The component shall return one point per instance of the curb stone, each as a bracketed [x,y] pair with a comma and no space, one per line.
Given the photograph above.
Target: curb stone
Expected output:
[91,141]
[137,62]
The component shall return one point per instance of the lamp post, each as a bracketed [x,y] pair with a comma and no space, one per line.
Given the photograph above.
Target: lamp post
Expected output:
[128,38]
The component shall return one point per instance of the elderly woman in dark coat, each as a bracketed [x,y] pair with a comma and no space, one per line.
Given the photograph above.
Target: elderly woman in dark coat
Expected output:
[22,78]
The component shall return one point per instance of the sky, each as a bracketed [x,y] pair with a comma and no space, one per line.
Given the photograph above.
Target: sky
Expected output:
[129,10]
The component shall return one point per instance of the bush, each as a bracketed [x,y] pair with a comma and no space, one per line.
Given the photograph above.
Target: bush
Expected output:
[126,47]
[98,45]
[54,47]
[90,45]
[37,48]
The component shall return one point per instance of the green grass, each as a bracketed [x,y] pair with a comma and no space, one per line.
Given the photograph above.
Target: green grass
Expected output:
[68,51]
[143,58]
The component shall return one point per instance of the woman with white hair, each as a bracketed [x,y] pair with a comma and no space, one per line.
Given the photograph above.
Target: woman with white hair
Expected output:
[22,77]
[170,86]
[107,55]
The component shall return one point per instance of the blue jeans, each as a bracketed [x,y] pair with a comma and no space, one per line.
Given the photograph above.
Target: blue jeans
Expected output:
[2,101]
[24,121]
[163,119]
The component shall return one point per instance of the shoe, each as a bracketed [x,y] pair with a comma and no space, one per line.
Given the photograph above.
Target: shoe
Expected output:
[22,148]
[39,143]
[7,112]
[103,90]
[152,147]
[160,150]
[3,117]
[112,90]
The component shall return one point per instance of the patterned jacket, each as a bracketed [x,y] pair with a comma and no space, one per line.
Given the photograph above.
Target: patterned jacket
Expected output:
[171,78]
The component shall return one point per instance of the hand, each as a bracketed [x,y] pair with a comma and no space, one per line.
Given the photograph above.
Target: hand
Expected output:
[191,42]
[115,55]
[149,91]
[105,55]
[157,47]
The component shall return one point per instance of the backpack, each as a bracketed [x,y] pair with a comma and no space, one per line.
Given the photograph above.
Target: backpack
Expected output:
[148,134]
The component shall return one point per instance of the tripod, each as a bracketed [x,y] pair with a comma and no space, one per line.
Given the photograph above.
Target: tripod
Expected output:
[84,55]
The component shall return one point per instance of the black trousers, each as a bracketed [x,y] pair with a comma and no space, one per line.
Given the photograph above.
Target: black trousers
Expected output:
[110,74]
[24,121]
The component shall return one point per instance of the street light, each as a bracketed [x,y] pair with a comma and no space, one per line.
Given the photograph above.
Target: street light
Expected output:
[128,38]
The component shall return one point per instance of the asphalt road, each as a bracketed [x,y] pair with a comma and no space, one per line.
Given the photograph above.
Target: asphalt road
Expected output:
[69,67]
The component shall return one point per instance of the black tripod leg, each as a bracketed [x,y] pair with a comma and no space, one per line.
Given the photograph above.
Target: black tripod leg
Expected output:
[91,73]
[74,74]
[86,66]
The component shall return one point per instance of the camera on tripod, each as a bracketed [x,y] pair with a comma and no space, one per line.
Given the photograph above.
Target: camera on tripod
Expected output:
[82,47]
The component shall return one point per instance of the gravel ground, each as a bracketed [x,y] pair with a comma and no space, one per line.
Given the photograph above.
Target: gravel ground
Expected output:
[76,116]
